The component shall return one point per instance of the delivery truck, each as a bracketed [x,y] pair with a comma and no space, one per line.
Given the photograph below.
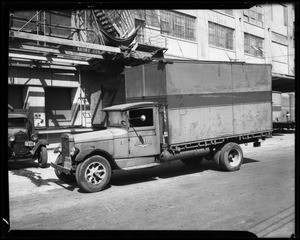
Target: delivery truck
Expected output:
[174,110]
[283,106]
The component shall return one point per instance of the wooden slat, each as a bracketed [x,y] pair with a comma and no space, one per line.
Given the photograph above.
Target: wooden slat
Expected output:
[30,36]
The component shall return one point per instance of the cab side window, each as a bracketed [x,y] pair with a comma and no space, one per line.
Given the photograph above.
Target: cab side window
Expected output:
[135,118]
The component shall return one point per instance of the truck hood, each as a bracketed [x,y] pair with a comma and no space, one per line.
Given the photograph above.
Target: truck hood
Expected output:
[101,135]
[12,131]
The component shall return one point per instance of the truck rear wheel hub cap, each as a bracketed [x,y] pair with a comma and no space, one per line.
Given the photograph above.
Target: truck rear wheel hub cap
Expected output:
[234,158]
[95,173]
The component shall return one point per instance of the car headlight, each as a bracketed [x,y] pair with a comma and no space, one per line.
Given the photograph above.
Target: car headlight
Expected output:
[11,138]
[72,151]
[57,149]
[34,136]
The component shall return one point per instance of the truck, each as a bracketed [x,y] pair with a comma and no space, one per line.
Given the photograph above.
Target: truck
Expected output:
[24,143]
[175,110]
[283,106]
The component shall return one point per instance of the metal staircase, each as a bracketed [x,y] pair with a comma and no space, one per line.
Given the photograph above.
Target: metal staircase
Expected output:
[118,23]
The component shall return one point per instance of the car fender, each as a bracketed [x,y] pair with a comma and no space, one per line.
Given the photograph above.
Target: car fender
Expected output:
[41,142]
[83,155]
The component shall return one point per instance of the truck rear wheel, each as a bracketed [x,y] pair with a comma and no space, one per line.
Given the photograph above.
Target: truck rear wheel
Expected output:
[231,157]
[93,174]
[67,178]
[43,157]
[196,161]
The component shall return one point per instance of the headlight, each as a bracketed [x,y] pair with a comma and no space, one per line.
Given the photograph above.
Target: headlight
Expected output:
[72,151]
[11,138]
[34,136]
[57,149]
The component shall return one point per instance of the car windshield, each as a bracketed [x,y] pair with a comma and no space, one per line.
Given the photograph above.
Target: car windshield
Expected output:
[17,122]
[115,118]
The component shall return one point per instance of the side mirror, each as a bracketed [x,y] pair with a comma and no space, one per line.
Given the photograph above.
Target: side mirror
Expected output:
[143,118]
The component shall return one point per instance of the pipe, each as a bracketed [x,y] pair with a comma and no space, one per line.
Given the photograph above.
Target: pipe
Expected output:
[168,156]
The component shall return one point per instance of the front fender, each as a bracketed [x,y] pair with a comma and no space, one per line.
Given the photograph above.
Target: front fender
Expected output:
[41,142]
[82,155]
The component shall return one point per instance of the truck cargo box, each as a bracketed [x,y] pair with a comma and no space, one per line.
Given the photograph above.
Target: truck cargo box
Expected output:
[205,100]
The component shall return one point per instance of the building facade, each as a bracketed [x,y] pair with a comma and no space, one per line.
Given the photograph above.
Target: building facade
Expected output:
[72,93]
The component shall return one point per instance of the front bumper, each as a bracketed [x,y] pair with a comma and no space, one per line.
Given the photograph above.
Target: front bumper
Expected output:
[19,159]
[61,168]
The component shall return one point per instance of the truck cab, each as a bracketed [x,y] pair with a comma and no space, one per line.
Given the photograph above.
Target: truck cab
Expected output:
[131,140]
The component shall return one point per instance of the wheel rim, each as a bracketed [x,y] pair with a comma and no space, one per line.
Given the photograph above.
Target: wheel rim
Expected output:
[234,157]
[95,173]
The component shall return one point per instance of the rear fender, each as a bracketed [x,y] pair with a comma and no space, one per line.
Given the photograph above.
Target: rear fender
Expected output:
[41,142]
[83,155]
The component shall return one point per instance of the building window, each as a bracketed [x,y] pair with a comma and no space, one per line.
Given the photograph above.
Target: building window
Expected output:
[220,36]
[253,45]
[254,15]
[177,25]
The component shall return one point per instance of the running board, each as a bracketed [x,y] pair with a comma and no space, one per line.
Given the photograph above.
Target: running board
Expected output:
[150,165]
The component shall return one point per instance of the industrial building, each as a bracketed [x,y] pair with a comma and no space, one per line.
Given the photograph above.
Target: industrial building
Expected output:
[66,65]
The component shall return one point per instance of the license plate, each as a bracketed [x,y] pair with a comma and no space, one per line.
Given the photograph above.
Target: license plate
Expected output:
[68,162]
[29,144]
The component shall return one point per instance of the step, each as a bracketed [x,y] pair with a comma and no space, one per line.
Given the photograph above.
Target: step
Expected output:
[149,165]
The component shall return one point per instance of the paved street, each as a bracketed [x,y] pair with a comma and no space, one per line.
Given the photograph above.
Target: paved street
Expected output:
[259,198]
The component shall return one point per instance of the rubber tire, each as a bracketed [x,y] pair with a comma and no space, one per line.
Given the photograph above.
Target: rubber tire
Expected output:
[216,156]
[43,157]
[81,179]
[67,178]
[193,162]
[224,157]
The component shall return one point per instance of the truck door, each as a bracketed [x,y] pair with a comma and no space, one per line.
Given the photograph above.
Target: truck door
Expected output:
[143,135]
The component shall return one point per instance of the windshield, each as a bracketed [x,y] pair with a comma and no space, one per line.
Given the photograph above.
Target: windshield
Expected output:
[115,118]
[17,122]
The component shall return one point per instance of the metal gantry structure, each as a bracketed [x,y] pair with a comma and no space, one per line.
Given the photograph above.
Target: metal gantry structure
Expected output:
[37,40]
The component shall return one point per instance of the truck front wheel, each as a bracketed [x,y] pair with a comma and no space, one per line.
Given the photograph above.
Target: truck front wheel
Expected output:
[93,174]
[231,157]
[43,157]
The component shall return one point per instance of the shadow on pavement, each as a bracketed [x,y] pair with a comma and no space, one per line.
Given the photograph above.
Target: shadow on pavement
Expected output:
[249,160]
[277,132]
[34,177]
[25,164]
[177,168]
[38,181]
[174,169]
[122,177]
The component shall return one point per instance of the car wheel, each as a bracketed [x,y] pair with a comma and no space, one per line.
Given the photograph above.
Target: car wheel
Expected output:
[67,178]
[43,157]
[231,157]
[93,174]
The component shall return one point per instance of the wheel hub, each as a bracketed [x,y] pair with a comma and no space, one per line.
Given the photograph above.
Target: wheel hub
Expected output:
[95,173]
[234,158]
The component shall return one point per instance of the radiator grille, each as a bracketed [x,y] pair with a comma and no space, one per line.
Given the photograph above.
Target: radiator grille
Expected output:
[19,147]
[65,147]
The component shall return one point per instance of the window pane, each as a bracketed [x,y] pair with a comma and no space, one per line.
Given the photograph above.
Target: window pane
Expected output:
[253,45]
[220,36]
[177,24]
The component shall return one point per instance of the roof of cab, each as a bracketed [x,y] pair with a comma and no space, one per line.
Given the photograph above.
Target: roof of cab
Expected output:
[17,115]
[127,106]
